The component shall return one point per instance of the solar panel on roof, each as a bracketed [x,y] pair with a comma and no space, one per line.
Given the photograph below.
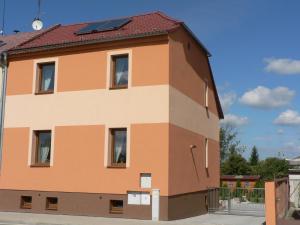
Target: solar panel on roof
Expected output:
[2,43]
[104,26]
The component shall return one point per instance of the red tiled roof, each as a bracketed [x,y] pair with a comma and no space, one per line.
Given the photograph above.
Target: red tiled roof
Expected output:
[146,24]
[240,177]
[12,41]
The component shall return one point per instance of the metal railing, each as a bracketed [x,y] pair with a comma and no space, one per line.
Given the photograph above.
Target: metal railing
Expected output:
[242,201]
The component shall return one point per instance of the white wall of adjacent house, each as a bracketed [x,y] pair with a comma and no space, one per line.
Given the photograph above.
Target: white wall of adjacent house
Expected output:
[1,78]
[294,180]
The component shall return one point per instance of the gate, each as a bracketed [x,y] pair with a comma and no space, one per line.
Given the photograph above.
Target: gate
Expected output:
[239,201]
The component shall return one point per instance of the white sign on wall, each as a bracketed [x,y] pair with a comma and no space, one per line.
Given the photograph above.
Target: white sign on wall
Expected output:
[138,198]
[134,198]
[145,199]
[146,180]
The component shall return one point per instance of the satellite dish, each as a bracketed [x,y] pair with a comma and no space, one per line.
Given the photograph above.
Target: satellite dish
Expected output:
[37,24]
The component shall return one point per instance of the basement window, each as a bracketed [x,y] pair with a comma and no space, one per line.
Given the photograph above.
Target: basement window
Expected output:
[26,202]
[116,206]
[51,203]
[45,78]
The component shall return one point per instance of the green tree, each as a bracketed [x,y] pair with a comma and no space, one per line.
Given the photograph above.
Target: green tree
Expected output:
[235,165]
[229,142]
[271,168]
[254,157]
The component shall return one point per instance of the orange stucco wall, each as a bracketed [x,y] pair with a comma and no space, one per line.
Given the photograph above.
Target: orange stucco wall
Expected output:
[78,164]
[156,146]
[187,167]
[87,70]
[270,202]
[189,69]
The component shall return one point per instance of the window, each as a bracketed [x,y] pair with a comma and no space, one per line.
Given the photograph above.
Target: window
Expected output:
[206,94]
[45,78]
[116,206]
[26,202]
[119,72]
[206,153]
[42,148]
[118,142]
[51,203]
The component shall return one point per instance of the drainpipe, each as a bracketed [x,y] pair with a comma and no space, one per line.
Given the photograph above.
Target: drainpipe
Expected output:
[3,60]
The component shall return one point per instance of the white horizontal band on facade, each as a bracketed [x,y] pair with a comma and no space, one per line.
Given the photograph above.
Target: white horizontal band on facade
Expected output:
[136,105]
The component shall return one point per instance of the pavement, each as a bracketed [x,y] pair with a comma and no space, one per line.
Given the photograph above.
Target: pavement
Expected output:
[10,218]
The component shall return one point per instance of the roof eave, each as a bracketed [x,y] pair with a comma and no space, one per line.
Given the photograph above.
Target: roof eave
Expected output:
[82,43]
[196,39]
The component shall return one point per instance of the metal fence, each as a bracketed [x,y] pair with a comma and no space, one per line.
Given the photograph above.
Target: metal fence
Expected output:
[241,201]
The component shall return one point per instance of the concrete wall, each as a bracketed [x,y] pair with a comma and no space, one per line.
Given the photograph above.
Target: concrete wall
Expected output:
[294,190]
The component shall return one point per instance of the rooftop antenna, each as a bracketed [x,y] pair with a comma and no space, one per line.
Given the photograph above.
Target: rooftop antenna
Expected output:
[37,23]
[3,19]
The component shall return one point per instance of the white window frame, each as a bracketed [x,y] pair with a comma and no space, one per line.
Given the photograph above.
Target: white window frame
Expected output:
[110,55]
[35,67]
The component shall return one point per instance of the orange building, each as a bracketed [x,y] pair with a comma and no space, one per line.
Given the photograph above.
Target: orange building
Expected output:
[116,118]
[246,181]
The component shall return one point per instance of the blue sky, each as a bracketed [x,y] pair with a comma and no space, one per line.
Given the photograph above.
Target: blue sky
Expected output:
[255,55]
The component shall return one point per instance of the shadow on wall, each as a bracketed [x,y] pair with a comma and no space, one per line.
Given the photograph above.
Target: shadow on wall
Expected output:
[296,215]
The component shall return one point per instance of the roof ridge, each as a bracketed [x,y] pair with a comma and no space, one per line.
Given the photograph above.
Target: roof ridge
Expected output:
[165,16]
[38,35]
[160,13]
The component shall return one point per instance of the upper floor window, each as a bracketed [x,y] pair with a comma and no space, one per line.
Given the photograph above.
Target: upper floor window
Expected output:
[42,147]
[118,142]
[119,72]
[45,78]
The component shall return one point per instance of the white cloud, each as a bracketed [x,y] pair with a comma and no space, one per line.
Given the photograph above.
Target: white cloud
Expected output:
[280,131]
[283,66]
[234,120]
[266,98]
[288,118]
[227,100]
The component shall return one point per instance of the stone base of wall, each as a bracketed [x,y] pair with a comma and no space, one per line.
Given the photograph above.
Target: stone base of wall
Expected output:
[91,204]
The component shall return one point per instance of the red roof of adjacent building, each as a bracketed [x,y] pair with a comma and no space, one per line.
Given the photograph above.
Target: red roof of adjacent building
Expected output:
[240,177]
[12,41]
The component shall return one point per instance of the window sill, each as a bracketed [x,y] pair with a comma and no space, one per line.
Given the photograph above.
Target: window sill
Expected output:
[25,207]
[40,165]
[43,92]
[53,209]
[117,166]
[118,87]
[116,212]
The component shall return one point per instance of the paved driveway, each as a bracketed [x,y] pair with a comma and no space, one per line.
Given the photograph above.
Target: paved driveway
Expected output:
[43,219]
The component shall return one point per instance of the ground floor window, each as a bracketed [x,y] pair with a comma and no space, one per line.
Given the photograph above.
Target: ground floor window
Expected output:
[116,206]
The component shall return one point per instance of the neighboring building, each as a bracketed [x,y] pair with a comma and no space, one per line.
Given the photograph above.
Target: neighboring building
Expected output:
[294,180]
[246,181]
[118,118]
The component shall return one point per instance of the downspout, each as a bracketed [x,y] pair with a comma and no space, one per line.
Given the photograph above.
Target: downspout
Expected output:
[4,64]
